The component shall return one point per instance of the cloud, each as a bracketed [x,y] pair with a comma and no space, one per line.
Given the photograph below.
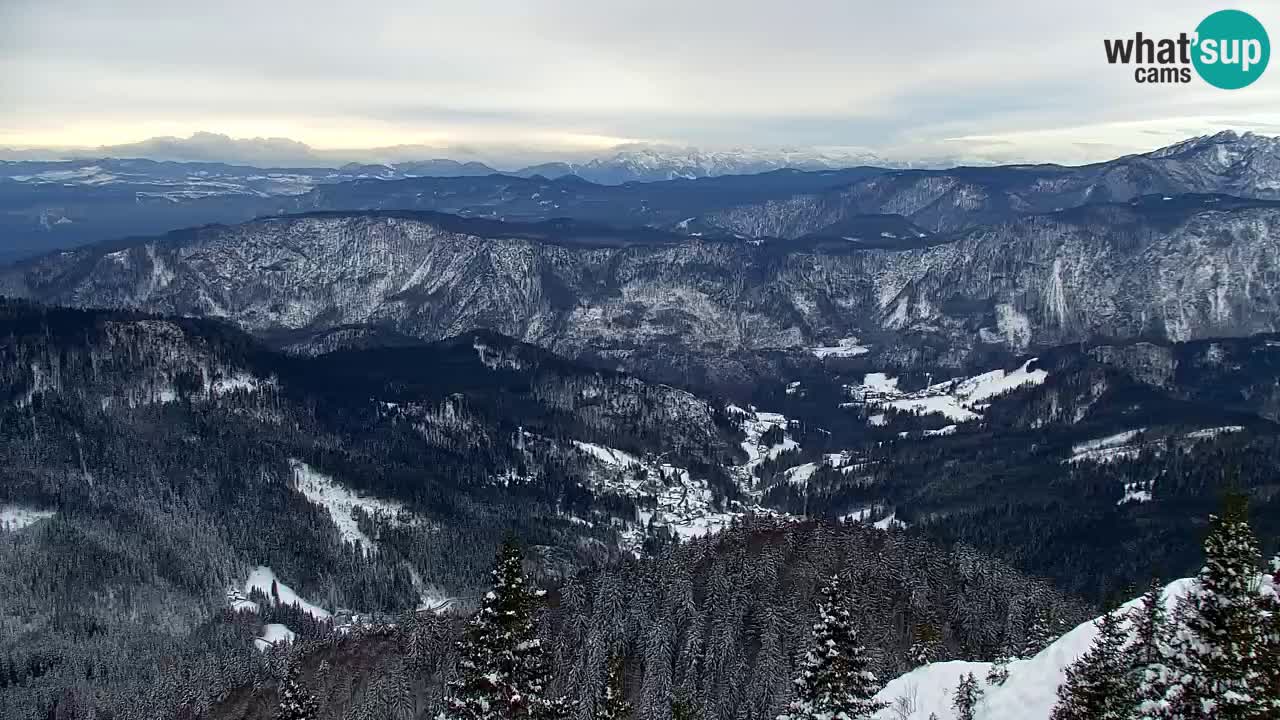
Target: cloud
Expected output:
[916,77]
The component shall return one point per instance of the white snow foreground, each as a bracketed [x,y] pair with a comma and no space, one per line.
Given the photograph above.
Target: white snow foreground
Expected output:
[1031,690]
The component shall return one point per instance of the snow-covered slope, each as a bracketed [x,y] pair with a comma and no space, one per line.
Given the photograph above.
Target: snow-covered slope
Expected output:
[341,503]
[960,400]
[1031,690]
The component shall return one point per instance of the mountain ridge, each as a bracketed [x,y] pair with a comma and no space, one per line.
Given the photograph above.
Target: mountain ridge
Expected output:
[1118,270]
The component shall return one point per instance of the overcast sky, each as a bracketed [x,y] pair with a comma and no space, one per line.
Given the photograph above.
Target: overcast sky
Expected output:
[1001,79]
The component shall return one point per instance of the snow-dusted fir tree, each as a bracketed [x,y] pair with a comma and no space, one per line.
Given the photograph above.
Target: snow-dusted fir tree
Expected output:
[1040,635]
[1216,664]
[502,671]
[999,672]
[611,703]
[1150,652]
[835,682]
[295,702]
[1150,627]
[684,708]
[966,697]
[1271,639]
[1100,686]
[926,646]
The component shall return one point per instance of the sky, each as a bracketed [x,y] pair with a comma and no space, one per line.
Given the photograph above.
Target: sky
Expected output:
[994,79]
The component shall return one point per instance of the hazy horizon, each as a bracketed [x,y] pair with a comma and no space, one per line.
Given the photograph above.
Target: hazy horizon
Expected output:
[998,81]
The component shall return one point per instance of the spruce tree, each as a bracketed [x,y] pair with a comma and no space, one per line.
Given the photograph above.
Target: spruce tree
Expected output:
[999,673]
[1150,626]
[966,697]
[835,680]
[502,671]
[612,703]
[927,644]
[1216,660]
[1151,652]
[295,702]
[1040,635]
[1271,639]
[683,708]
[1100,685]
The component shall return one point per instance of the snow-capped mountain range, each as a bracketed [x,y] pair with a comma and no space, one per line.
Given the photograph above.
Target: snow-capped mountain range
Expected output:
[634,162]
[939,200]
[649,163]
[61,204]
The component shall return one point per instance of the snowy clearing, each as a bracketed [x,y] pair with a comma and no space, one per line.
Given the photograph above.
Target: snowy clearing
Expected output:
[1139,496]
[1213,432]
[960,400]
[261,579]
[272,634]
[800,474]
[755,424]
[239,382]
[607,455]
[15,517]
[1107,449]
[844,348]
[340,501]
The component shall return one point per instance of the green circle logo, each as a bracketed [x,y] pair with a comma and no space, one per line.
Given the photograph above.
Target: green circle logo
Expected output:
[1232,49]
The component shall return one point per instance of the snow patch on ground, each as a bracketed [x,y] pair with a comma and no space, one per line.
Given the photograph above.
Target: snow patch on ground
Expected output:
[607,455]
[341,502]
[15,517]
[240,381]
[261,578]
[960,400]
[273,634]
[1210,433]
[673,498]
[889,523]
[754,425]
[844,348]
[496,359]
[800,474]
[1107,449]
[868,514]
[880,382]
[1139,496]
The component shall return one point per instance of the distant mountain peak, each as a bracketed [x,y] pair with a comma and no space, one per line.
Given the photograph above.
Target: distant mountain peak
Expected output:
[1200,143]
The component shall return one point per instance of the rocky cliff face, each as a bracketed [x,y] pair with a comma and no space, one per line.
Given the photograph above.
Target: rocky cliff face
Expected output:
[1181,269]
